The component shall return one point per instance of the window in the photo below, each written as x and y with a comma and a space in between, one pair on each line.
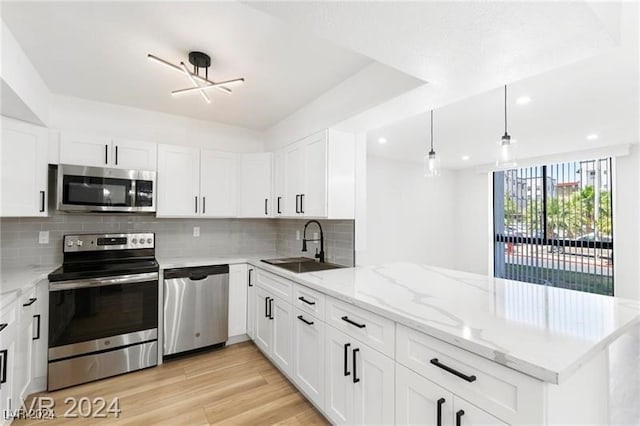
553, 225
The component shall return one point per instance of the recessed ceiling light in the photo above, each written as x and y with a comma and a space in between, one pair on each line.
523, 100
592, 136
465, 157
382, 140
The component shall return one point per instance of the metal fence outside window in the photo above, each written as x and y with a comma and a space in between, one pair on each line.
553, 225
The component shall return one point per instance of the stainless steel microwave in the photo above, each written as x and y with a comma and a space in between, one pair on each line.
98, 189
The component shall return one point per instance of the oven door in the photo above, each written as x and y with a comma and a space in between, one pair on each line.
105, 190
102, 313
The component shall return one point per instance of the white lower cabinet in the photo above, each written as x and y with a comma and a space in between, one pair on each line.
251, 303
359, 382
274, 323
308, 355
419, 401
237, 300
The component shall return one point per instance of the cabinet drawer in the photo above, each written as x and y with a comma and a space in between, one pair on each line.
372, 329
277, 286
503, 392
309, 301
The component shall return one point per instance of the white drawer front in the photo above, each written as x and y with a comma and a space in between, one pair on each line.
277, 286
505, 393
309, 301
369, 328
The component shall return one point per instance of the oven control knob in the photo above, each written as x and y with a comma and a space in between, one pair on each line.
69, 243
79, 243
134, 241
149, 240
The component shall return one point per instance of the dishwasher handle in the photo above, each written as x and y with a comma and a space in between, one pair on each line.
196, 273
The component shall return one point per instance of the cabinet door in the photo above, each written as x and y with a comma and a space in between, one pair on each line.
85, 150
374, 377
283, 335
251, 304
237, 300
8, 340
314, 193
218, 177
135, 155
24, 347
279, 183
40, 325
466, 414
308, 355
264, 324
255, 185
294, 177
338, 375
23, 169
178, 181
420, 401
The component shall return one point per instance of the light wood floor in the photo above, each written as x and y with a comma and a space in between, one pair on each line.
234, 385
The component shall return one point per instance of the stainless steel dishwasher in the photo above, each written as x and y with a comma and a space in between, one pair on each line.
196, 305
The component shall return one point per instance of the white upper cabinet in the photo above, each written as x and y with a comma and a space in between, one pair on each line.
319, 173
23, 164
134, 155
103, 151
178, 181
218, 183
279, 183
255, 185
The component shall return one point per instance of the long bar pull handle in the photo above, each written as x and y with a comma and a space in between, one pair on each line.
204, 206
301, 203
459, 415
278, 200
448, 369
346, 358
3, 375
271, 299
116, 155
352, 322
196, 198
37, 334
3, 326
355, 379
439, 412
106, 154
42, 201
31, 301
297, 200
266, 201
306, 301
250, 274
301, 318
266, 307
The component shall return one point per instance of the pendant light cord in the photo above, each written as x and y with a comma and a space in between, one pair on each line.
431, 130
505, 109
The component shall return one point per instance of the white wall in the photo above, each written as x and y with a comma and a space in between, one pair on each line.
409, 217
81, 115
28, 96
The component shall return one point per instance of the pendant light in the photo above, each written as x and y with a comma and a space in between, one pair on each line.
505, 158
431, 160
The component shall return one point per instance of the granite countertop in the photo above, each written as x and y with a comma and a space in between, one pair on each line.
545, 332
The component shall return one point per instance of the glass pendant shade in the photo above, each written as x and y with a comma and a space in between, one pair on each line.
431, 164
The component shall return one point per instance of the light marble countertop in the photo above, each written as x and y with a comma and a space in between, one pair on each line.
15, 280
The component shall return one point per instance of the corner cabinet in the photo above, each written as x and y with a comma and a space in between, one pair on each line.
23, 169
319, 176
255, 185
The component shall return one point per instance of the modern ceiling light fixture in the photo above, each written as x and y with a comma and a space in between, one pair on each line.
506, 142
199, 61
431, 160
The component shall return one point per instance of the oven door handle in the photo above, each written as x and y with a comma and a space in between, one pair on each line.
103, 281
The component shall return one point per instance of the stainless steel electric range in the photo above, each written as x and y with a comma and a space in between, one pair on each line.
103, 308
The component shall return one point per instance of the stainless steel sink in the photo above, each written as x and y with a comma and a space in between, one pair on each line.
301, 264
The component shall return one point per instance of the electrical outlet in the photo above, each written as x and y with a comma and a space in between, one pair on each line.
43, 237
297, 235
196, 231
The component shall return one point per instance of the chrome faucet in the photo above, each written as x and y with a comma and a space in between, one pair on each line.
304, 240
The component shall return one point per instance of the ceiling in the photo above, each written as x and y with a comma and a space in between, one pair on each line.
97, 50
593, 96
